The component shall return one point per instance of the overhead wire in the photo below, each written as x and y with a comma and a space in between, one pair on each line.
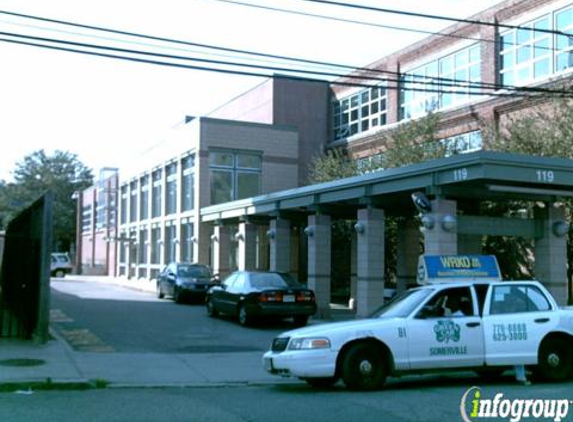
423, 79
466, 88
436, 17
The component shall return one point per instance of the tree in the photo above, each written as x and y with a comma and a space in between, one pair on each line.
63, 174
411, 142
546, 131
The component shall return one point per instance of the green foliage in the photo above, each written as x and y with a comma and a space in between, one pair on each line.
332, 165
63, 174
545, 132
413, 142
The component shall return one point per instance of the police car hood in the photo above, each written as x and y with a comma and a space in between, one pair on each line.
327, 329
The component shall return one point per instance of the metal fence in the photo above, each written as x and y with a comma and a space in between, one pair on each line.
25, 273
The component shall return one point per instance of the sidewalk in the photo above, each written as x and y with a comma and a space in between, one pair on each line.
25, 363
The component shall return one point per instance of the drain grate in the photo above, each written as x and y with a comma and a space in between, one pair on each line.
22, 362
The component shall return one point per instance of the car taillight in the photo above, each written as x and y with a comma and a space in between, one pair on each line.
305, 297
271, 297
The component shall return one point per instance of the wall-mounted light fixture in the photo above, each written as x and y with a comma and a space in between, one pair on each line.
360, 227
175, 240
560, 228
449, 222
193, 239
271, 233
239, 236
309, 231
214, 237
428, 222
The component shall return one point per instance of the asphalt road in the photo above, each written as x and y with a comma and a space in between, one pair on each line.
422, 399
96, 316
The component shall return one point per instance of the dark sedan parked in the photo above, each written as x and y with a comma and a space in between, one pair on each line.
180, 279
249, 295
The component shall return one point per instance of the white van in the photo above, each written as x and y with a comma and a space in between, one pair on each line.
61, 264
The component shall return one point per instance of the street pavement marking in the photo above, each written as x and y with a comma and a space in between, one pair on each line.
85, 341
57, 315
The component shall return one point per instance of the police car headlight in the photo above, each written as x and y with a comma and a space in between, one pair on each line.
309, 343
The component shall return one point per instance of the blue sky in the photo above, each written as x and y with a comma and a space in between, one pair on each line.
106, 111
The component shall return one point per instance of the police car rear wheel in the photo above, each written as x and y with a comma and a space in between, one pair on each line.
555, 361
363, 367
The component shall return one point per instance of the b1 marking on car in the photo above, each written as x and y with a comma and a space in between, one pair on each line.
401, 332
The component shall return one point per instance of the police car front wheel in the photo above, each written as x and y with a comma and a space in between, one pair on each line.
364, 367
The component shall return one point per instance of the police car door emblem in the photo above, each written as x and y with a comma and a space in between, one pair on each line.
446, 331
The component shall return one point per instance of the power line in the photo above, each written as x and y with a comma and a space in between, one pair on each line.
437, 17
466, 87
423, 80
352, 21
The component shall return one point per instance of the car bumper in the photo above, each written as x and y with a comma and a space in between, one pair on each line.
301, 363
195, 289
282, 310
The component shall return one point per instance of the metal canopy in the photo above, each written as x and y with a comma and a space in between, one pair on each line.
481, 175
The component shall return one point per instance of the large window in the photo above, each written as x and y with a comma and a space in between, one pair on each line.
188, 181
442, 83
186, 241
171, 189
170, 241
157, 193
143, 244
133, 202
123, 216
144, 198
156, 243
527, 54
234, 175
359, 112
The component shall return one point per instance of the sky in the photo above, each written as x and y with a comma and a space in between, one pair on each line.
106, 111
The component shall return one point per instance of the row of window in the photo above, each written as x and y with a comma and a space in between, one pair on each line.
458, 144
152, 196
526, 54
156, 244
530, 53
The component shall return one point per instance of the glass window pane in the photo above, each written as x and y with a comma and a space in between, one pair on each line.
523, 54
564, 61
523, 36
446, 65
541, 24
541, 68
461, 59
564, 42
374, 108
219, 158
249, 161
508, 40
374, 93
475, 54
221, 186
475, 73
365, 111
365, 97
365, 125
248, 185
541, 48
524, 75
432, 69
564, 19
507, 79
354, 101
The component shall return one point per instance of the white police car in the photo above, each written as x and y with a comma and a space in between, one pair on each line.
472, 322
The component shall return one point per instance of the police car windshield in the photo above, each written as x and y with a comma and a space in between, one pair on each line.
403, 304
